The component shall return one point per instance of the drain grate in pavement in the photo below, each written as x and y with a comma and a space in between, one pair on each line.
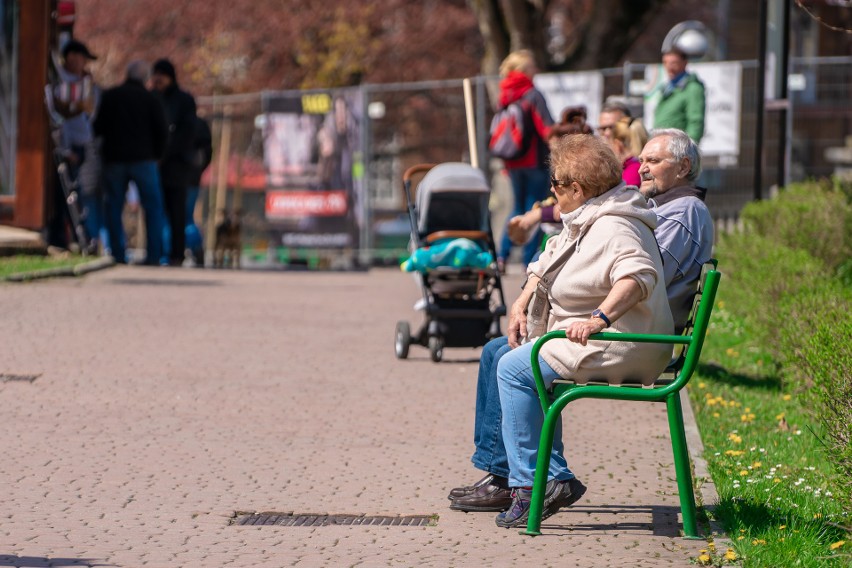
309, 520
12, 378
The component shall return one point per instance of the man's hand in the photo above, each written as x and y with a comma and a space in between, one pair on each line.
579, 331
522, 227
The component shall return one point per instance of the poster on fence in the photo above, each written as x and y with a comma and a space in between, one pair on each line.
561, 90
313, 159
722, 86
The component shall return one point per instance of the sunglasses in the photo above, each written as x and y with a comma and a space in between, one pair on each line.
559, 183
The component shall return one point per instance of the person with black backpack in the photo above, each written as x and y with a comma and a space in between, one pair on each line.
519, 136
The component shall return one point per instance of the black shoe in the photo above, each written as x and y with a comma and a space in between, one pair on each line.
489, 479
495, 496
559, 494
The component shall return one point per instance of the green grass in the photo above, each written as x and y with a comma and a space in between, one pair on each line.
765, 455
10, 265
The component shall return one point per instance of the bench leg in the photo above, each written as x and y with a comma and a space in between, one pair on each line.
682, 467
542, 468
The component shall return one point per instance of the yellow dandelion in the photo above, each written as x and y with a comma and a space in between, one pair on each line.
730, 555
711, 546
780, 416
782, 527
704, 559
716, 415
712, 402
734, 453
747, 409
744, 472
756, 464
758, 541
735, 438
702, 385
787, 397
818, 516
741, 537
776, 480
837, 544
732, 352
747, 417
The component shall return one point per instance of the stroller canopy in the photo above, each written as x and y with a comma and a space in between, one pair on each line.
453, 196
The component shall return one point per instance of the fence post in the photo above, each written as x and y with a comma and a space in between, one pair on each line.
218, 196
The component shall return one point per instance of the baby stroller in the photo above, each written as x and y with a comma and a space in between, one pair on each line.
462, 305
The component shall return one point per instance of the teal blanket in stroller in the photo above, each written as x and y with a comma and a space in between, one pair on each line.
453, 253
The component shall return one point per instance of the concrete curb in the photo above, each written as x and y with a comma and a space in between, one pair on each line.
709, 498
76, 270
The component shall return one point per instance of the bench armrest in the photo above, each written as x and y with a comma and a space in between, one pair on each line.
604, 336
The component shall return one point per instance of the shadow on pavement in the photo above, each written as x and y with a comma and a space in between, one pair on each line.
663, 520
39, 562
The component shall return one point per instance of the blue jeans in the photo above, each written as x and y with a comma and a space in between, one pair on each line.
490, 454
528, 186
523, 418
192, 232
147, 178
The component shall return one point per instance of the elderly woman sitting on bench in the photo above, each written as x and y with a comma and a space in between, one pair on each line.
612, 279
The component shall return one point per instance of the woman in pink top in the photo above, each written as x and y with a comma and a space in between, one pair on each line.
627, 139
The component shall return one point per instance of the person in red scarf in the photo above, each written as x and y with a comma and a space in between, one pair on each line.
529, 173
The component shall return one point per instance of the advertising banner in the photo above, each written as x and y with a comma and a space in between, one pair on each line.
312, 155
722, 87
562, 90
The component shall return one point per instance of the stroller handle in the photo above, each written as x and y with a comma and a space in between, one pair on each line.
416, 169
472, 235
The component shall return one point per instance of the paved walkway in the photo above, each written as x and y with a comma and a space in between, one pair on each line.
167, 400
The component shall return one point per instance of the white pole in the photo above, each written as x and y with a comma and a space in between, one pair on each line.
471, 125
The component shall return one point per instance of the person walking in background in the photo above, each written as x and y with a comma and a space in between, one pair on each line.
203, 153
74, 99
682, 98
528, 173
133, 126
176, 167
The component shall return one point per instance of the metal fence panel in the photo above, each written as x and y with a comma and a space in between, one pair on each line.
411, 123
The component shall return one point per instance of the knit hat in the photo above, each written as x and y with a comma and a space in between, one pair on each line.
164, 67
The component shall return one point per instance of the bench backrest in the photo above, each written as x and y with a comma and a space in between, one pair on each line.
699, 320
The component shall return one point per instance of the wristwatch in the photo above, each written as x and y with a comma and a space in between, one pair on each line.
599, 314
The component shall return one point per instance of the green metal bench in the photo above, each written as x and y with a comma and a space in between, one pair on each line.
665, 389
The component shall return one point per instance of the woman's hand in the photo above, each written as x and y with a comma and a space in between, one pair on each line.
517, 330
579, 331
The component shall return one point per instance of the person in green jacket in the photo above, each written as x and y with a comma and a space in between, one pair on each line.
681, 103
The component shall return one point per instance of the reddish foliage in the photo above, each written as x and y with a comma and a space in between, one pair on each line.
226, 46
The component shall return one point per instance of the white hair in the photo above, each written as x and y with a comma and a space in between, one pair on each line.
681, 146
138, 70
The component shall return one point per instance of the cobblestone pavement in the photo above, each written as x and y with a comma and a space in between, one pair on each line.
167, 400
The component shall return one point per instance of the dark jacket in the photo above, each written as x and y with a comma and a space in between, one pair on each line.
176, 167
203, 150
132, 123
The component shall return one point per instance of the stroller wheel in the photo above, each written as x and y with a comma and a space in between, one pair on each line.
436, 347
403, 340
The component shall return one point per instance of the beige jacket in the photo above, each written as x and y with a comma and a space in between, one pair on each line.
616, 240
